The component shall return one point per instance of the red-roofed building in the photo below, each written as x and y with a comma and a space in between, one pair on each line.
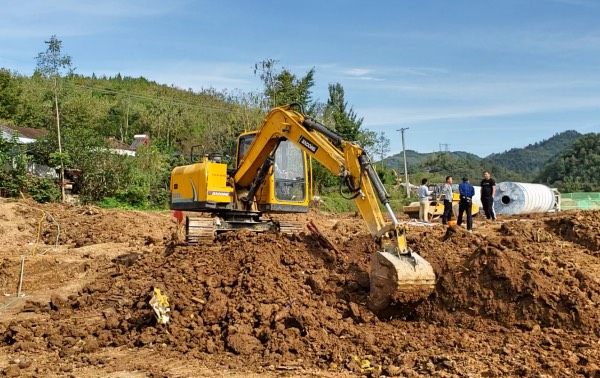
25, 135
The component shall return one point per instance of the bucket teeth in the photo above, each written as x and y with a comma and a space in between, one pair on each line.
399, 279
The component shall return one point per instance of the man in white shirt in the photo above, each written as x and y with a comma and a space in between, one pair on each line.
447, 192
424, 193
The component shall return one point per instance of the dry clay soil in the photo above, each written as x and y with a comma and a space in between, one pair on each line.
517, 297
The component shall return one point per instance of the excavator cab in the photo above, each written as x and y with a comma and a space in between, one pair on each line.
286, 188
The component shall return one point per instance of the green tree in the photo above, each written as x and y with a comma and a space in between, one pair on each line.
52, 64
13, 167
32, 109
577, 167
378, 145
9, 94
283, 87
344, 121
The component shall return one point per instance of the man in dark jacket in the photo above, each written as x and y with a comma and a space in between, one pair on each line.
466, 191
488, 191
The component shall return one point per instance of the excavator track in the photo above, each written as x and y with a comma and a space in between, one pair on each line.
291, 227
200, 230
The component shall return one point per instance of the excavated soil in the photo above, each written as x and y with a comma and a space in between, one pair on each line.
517, 297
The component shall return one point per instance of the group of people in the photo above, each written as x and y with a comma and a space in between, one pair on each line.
466, 192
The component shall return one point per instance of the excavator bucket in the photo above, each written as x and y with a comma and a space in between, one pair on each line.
399, 279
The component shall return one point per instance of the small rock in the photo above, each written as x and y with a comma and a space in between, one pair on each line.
24, 364
593, 370
58, 302
12, 371
393, 370
355, 310
211, 347
91, 345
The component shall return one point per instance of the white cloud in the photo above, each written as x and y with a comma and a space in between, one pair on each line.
376, 117
40, 18
357, 71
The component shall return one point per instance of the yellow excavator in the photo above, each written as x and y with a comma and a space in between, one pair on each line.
273, 175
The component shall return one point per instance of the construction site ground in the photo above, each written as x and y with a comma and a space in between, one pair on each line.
517, 297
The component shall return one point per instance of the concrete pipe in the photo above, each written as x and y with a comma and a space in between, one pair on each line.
477, 197
523, 198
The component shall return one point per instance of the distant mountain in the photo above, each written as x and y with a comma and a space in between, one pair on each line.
577, 167
517, 164
413, 160
416, 160
530, 160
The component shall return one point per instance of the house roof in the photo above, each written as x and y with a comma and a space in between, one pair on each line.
115, 143
29, 135
25, 135
26, 132
138, 140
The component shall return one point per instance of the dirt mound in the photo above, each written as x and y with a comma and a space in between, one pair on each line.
521, 277
267, 296
582, 228
512, 298
26, 222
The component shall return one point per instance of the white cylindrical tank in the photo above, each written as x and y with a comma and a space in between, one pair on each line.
523, 198
477, 197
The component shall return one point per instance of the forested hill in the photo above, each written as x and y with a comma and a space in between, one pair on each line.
529, 161
518, 164
437, 165
413, 160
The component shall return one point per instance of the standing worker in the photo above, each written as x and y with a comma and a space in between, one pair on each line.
488, 192
466, 191
424, 193
447, 192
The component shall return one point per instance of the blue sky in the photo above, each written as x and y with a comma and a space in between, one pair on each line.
478, 76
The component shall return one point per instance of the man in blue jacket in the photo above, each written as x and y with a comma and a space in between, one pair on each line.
466, 191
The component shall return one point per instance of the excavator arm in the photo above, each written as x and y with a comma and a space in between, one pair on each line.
350, 162
397, 273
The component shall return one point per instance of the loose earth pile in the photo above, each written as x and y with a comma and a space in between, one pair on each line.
518, 297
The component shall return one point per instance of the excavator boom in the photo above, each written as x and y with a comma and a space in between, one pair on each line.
397, 274
270, 177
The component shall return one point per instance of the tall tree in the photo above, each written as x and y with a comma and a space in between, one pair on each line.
52, 64
9, 94
343, 120
283, 87
382, 146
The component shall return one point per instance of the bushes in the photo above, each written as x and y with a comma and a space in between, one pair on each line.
13, 167
15, 179
42, 189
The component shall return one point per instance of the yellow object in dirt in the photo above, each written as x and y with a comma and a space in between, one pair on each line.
365, 365
160, 305
451, 223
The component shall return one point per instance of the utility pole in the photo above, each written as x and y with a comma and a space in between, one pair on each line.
406, 184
